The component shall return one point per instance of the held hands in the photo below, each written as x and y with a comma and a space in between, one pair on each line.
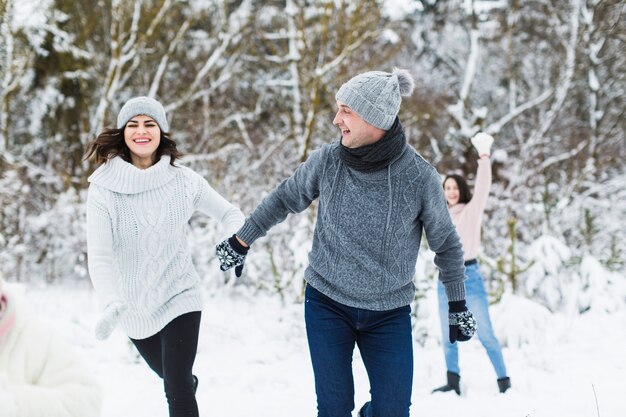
461, 321
231, 254
111, 316
482, 142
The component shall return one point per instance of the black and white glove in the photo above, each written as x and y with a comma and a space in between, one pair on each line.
231, 254
461, 321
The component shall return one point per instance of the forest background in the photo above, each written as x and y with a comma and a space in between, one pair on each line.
249, 89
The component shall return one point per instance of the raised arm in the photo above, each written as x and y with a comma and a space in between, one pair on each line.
482, 143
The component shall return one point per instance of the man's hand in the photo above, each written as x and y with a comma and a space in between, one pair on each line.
231, 253
461, 321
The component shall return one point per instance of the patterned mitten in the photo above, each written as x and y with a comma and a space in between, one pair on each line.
461, 321
231, 254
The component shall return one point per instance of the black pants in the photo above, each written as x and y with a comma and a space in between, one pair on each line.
171, 353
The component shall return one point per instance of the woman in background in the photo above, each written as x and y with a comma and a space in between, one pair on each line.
139, 204
467, 213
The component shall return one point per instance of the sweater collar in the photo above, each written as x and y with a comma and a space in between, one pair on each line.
123, 177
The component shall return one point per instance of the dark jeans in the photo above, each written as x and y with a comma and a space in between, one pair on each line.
171, 354
386, 346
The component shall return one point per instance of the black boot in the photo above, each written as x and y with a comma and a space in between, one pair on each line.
504, 384
452, 385
195, 383
362, 410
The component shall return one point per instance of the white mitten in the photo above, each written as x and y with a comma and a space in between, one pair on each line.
110, 317
482, 142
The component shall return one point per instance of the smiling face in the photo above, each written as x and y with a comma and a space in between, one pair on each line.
142, 136
355, 132
451, 191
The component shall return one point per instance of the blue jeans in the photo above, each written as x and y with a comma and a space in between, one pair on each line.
385, 342
477, 303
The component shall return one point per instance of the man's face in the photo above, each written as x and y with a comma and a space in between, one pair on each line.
355, 132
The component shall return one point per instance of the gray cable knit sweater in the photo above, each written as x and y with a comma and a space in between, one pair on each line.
369, 227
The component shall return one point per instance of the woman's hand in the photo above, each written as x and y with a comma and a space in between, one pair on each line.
111, 316
482, 143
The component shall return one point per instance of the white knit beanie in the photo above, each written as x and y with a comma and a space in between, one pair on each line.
376, 95
145, 106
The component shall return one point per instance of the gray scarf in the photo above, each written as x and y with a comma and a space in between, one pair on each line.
378, 155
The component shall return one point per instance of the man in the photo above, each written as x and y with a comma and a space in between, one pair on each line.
376, 195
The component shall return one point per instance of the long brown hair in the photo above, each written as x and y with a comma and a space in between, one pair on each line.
110, 143
465, 195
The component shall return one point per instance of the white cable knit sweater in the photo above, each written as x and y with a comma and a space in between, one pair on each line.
137, 224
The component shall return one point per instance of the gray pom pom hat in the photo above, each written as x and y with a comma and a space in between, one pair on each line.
376, 95
145, 106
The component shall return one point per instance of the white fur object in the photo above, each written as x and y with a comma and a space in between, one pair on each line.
8, 407
43, 375
482, 142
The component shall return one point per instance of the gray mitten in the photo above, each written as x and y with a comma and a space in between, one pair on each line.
110, 317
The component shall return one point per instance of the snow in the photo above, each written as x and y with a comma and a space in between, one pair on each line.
563, 338
30, 14
399, 9
484, 6
253, 360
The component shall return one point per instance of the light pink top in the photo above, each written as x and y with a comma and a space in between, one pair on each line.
468, 217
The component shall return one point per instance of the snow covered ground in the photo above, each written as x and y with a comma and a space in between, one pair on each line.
253, 361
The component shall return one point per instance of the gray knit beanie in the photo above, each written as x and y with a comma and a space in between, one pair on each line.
145, 106
376, 95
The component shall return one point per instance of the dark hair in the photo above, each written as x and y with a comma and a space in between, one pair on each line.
110, 143
465, 195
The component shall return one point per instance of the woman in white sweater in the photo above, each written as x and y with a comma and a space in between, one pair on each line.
139, 204
40, 373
